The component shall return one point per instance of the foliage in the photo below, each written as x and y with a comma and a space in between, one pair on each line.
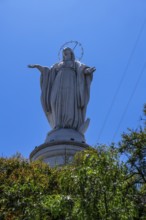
96, 186
133, 146
93, 187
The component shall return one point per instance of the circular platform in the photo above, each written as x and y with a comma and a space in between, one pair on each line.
59, 148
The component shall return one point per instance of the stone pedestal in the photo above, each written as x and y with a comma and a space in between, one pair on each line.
59, 148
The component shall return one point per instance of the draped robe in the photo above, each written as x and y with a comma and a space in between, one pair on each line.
65, 91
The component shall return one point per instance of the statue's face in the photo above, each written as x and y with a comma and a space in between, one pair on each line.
67, 55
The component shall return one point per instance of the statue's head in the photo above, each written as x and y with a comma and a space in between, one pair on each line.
68, 54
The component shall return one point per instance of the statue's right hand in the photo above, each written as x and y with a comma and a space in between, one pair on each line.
31, 66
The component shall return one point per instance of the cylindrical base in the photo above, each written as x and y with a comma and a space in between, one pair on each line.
57, 153
59, 148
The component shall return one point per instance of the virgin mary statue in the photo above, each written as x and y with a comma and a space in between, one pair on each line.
65, 91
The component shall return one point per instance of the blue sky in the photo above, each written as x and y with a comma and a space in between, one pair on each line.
113, 34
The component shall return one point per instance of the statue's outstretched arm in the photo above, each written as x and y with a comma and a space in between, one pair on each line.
90, 70
40, 68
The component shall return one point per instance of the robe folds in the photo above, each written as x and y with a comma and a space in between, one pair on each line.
65, 92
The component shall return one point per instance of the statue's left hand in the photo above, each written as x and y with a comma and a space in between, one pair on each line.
31, 66
90, 70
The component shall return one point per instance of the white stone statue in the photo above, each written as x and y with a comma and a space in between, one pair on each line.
65, 91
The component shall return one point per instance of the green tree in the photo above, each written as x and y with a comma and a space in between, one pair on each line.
93, 187
97, 185
133, 146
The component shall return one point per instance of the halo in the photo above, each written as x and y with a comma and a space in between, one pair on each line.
74, 44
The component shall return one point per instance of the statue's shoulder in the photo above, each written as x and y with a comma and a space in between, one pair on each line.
78, 64
57, 65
